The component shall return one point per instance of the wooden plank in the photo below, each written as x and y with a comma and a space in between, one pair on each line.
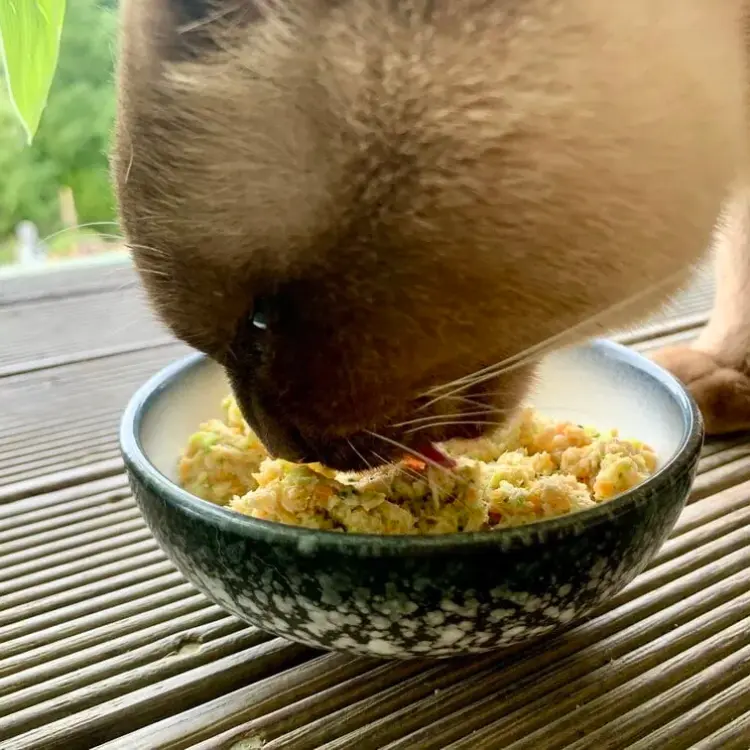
695, 591
732, 736
516, 706
31, 568
26, 692
65, 281
724, 658
88, 599
403, 706
353, 702
21, 432
80, 518
85, 385
688, 310
263, 698
727, 550
709, 509
103, 643
726, 475
109, 492
21, 606
502, 732
76, 328
716, 445
26, 453
45, 461
86, 355
719, 711
62, 478
89, 313
721, 458
88, 644
61, 630
151, 698
723, 533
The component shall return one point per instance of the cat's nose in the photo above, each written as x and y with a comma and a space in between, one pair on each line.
278, 435
283, 441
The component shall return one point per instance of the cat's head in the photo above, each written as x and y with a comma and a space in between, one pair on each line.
350, 204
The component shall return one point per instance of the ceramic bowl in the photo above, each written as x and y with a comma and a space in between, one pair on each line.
437, 596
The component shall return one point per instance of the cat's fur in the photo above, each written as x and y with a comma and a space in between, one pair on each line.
407, 192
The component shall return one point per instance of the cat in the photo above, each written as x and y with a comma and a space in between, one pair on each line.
378, 215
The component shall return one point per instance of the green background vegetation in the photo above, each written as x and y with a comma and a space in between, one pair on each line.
70, 147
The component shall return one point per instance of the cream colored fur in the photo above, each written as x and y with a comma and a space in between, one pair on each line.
422, 189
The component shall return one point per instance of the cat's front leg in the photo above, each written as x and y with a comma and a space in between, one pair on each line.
716, 367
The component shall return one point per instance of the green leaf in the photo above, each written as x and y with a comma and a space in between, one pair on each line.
29, 45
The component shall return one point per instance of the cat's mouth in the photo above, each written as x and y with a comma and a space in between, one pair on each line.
359, 451
417, 433
365, 451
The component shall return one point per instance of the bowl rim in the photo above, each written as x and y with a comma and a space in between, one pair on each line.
139, 466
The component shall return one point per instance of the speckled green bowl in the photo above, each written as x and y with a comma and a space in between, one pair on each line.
436, 596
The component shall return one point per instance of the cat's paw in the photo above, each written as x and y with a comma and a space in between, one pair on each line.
722, 393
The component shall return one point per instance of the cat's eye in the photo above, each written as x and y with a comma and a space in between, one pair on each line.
260, 318
260, 321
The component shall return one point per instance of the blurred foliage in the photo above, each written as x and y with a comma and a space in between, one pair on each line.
70, 147
29, 45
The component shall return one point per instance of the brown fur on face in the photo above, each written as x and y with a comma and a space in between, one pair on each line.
413, 191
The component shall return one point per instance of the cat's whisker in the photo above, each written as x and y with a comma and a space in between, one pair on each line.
155, 272
76, 227
150, 250
217, 15
442, 417
412, 452
543, 347
492, 369
504, 371
471, 401
364, 460
400, 468
111, 236
507, 367
485, 394
232, 354
456, 423
66, 230
106, 236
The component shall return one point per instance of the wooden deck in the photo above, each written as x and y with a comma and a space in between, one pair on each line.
103, 643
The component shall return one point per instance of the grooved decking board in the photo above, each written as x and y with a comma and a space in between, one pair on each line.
65, 330
89, 655
689, 309
65, 418
64, 281
61, 317
103, 644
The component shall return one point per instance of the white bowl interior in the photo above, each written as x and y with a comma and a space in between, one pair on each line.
583, 385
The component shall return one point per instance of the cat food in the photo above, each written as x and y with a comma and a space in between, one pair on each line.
531, 470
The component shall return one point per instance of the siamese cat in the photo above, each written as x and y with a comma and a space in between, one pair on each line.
378, 214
